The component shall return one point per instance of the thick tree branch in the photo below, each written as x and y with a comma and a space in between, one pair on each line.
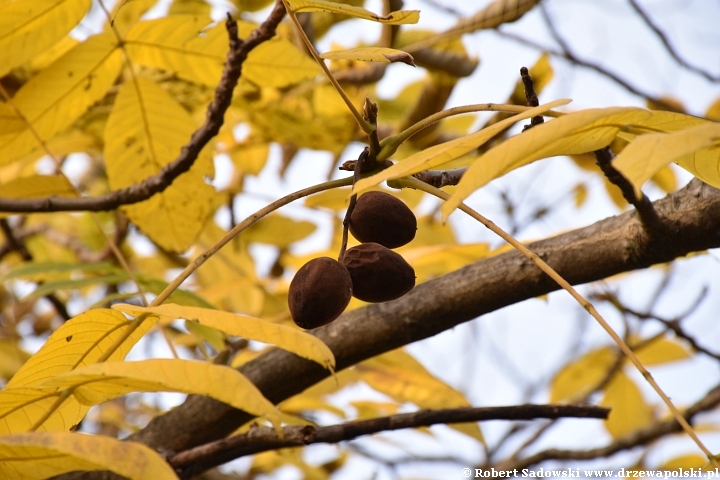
237, 54
611, 246
260, 439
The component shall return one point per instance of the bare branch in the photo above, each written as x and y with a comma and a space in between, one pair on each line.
644, 206
260, 439
614, 245
642, 437
668, 46
237, 54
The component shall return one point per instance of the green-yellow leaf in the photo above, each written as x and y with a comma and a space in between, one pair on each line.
371, 54
448, 151
293, 340
662, 351
101, 382
581, 376
647, 154
47, 454
145, 132
629, 412
704, 164
22, 22
53, 99
574, 133
81, 341
400, 17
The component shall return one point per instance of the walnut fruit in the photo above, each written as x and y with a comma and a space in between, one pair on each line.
319, 292
378, 274
381, 218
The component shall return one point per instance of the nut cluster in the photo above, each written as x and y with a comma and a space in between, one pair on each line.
370, 272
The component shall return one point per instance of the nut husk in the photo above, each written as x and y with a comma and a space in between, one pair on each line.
378, 274
319, 292
381, 218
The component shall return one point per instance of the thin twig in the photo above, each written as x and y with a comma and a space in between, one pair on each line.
358, 169
571, 57
414, 183
668, 46
641, 437
261, 439
648, 215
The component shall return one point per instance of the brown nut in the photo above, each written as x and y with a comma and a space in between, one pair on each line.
319, 292
381, 218
378, 274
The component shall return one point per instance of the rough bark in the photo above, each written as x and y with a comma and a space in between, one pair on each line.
611, 246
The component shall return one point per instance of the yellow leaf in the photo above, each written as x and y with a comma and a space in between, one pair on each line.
288, 338
648, 153
44, 455
174, 43
448, 151
665, 179
574, 133
249, 159
179, 43
713, 111
145, 131
12, 357
401, 17
251, 5
101, 382
403, 378
127, 12
21, 22
580, 192
704, 164
57, 96
629, 412
434, 261
78, 342
578, 378
335, 199
302, 403
662, 351
278, 230
371, 54
692, 460
39, 186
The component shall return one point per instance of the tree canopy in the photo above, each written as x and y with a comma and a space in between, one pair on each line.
147, 150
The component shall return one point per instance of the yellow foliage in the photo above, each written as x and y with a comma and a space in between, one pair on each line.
101, 382
19, 20
57, 96
664, 350
580, 377
629, 412
145, 132
290, 339
393, 18
79, 342
47, 454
